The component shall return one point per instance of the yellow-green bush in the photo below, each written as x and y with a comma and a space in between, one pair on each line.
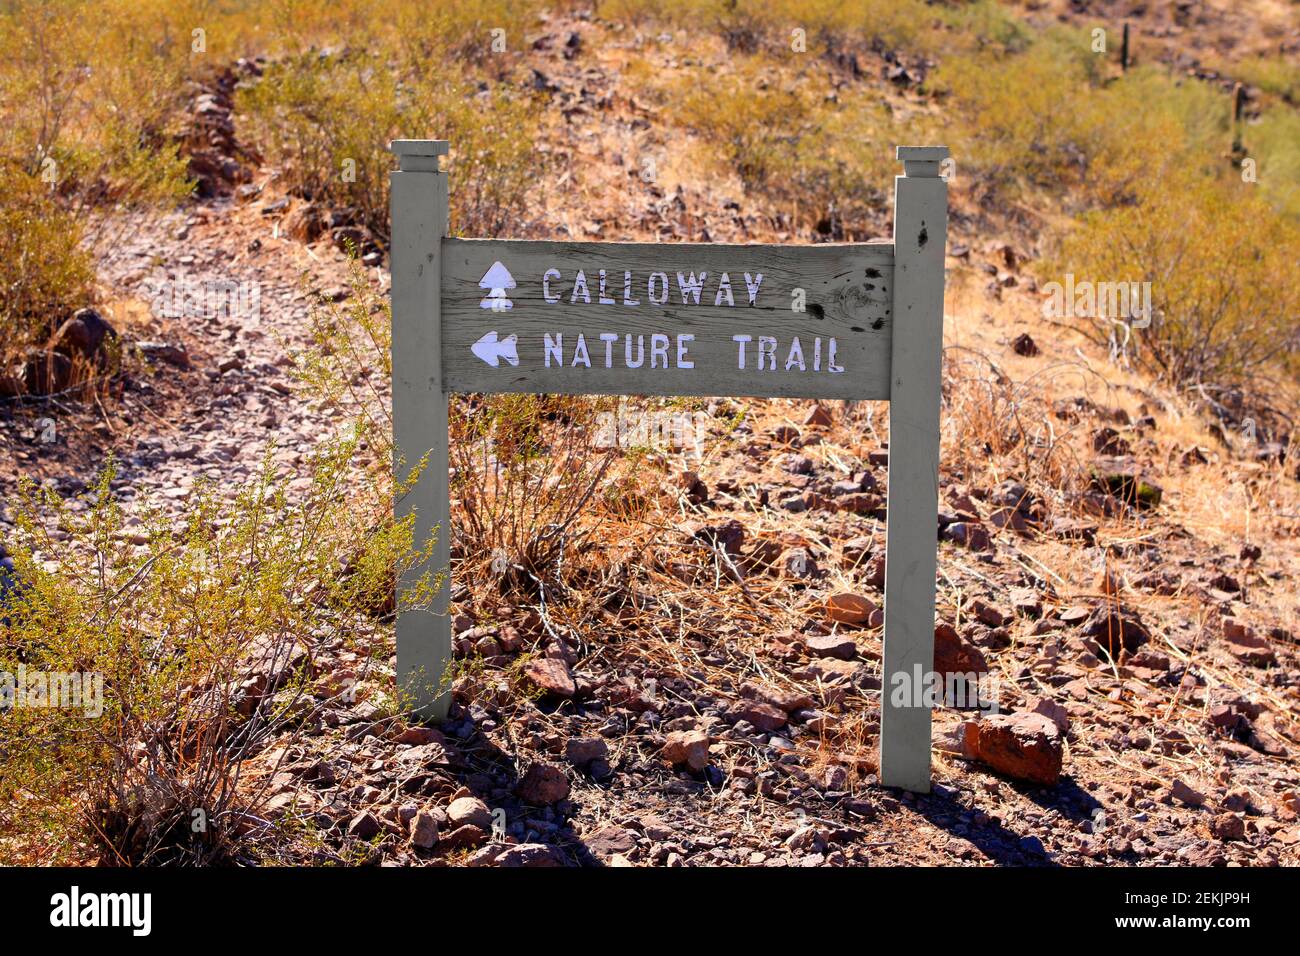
86, 92
312, 114
825, 159
842, 24
201, 637
44, 272
1224, 271
1274, 143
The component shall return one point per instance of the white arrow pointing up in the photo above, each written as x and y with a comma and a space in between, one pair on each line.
492, 350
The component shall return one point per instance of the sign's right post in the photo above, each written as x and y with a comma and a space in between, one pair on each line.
920, 238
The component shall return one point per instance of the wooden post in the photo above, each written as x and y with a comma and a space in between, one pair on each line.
920, 237
1123, 52
419, 212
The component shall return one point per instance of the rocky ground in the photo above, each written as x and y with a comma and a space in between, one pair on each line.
1121, 567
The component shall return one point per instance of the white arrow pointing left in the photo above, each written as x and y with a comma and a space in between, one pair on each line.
492, 350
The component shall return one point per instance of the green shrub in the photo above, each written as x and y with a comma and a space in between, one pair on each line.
1274, 142
825, 160
326, 122
45, 274
202, 637
86, 92
1224, 273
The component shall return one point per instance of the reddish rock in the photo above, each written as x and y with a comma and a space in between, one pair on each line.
1228, 826
580, 751
469, 811
1027, 602
798, 563
424, 830
543, 783
849, 608
1245, 645
857, 551
970, 535
1052, 711
987, 613
819, 417
839, 646
689, 747
463, 838
860, 503
874, 573
1026, 746
1181, 791
763, 716
364, 826
418, 735
529, 856
953, 654
609, 840
787, 700
551, 675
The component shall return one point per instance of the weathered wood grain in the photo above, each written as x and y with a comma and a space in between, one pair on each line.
920, 237
847, 296
419, 215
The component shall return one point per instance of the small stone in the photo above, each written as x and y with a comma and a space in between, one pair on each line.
424, 830
689, 747
1026, 746
1026, 602
798, 563
970, 535
551, 675
1246, 645
860, 503
364, 826
987, 613
819, 416
580, 751
529, 856
764, 717
1183, 793
464, 837
953, 654
469, 811
609, 840
1053, 712
840, 646
543, 783
848, 608
1228, 826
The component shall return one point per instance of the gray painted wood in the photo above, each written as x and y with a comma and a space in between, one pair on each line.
920, 236
419, 218
884, 301
847, 297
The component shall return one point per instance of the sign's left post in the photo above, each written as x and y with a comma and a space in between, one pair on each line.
419, 216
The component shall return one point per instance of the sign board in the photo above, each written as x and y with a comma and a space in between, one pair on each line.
844, 321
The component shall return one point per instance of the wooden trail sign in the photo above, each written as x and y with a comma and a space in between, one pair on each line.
850, 321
